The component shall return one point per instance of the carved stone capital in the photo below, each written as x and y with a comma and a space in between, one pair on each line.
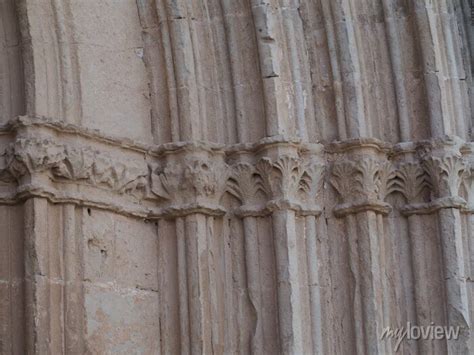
246, 184
362, 184
291, 183
445, 174
29, 156
467, 186
285, 183
410, 180
191, 184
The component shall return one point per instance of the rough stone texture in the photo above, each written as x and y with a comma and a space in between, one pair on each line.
235, 176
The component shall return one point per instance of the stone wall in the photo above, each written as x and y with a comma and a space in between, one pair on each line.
235, 176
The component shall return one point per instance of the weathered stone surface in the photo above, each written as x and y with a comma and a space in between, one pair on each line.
215, 176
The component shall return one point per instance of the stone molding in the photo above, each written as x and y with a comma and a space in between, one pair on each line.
277, 173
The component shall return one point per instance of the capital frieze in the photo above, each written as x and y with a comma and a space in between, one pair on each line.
177, 178
28, 157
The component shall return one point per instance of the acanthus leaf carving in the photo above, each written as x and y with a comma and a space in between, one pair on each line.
245, 184
269, 176
311, 183
410, 180
193, 180
387, 174
446, 174
342, 173
290, 181
281, 179
362, 183
30, 156
368, 178
468, 184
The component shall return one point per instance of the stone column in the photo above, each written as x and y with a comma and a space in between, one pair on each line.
193, 183
286, 178
411, 181
446, 169
361, 183
468, 186
53, 279
290, 186
245, 184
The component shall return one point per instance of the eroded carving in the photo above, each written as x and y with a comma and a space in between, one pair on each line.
410, 180
281, 179
467, 186
193, 181
446, 174
361, 181
31, 156
291, 182
362, 184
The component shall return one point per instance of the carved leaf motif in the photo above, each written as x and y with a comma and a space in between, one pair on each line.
291, 175
386, 175
104, 173
283, 178
5, 174
245, 183
468, 183
312, 180
369, 178
269, 181
28, 156
446, 174
343, 175
410, 181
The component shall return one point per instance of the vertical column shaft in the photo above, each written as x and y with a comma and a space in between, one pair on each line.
73, 273
290, 306
455, 278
